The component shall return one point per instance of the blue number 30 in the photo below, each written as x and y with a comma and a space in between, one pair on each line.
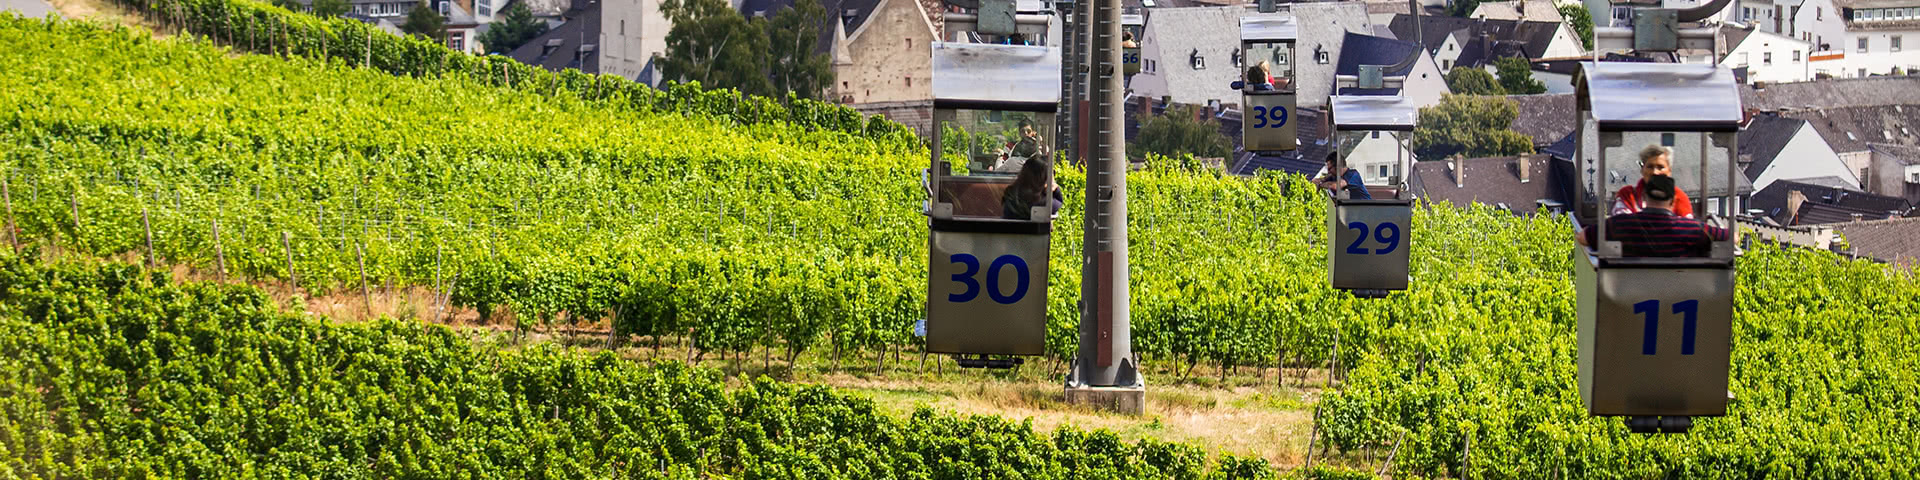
993, 279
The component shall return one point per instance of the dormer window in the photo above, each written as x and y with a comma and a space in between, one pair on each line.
1198, 62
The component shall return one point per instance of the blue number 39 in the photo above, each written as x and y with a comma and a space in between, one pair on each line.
1266, 117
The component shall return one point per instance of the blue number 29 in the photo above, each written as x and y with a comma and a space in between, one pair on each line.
1380, 235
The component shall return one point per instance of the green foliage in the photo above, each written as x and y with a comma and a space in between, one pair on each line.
1470, 125
713, 45
356, 43
793, 65
740, 223
331, 8
1581, 20
1176, 133
1463, 8
1516, 77
111, 369
1473, 81
514, 28
424, 22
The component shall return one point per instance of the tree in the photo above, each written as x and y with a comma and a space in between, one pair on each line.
1175, 132
712, 44
514, 28
1473, 81
1582, 22
1463, 8
330, 8
1516, 77
1470, 125
795, 67
423, 21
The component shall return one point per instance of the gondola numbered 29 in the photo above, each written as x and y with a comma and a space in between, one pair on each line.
987, 282
1266, 116
1655, 334
1369, 240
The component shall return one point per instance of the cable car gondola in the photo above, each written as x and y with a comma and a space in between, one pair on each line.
1369, 239
1266, 123
1655, 333
987, 283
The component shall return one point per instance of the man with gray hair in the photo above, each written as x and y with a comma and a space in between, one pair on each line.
1654, 160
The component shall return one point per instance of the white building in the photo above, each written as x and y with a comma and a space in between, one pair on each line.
1768, 57
1774, 148
1850, 38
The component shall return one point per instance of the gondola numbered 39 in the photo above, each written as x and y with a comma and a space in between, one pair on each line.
1655, 334
987, 282
1369, 240
1267, 116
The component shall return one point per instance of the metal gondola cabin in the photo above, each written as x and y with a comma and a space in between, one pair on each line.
1655, 333
1369, 239
1267, 114
987, 265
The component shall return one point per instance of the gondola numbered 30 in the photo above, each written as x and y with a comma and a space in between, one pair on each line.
1655, 334
1369, 239
1266, 116
987, 265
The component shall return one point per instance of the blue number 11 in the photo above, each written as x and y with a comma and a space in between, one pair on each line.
1690, 313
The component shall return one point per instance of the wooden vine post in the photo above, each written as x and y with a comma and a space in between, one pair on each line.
219, 253
366, 295
147, 225
286, 245
6, 193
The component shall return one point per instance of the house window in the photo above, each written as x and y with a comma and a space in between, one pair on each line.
1320, 57
1895, 45
1666, 139
1766, 58
1196, 61
909, 44
909, 80
1796, 56
1819, 13
1383, 171
623, 27
1863, 44
1743, 59
1863, 73
457, 42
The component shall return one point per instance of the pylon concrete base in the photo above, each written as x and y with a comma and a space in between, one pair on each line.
1122, 400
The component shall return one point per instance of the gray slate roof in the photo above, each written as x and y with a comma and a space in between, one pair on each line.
1832, 93
1489, 181
1894, 241
557, 49
1850, 129
1546, 117
1213, 32
1762, 139
1511, 37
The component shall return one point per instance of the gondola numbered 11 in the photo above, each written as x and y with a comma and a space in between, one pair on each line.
1655, 333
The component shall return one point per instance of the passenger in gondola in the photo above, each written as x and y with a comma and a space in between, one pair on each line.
1126, 40
1030, 144
1654, 160
1034, 186
1259, 79
1656, 230
1348, 180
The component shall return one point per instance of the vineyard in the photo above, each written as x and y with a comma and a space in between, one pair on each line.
574, 201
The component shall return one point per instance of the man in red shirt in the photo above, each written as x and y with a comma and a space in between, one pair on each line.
1655, 231
1654, 160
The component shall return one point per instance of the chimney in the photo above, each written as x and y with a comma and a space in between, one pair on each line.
1460, 171
1522, 164
1794, 199
1856, 216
